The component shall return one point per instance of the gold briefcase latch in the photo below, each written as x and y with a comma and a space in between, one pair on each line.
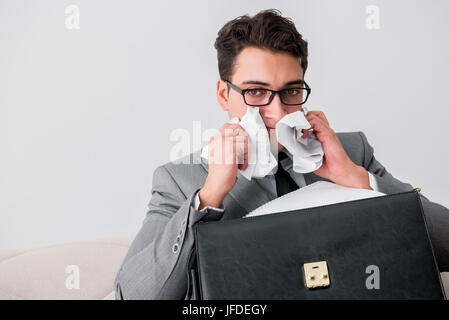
417, 189
316, 274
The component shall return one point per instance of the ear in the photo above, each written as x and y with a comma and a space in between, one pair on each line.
222, 94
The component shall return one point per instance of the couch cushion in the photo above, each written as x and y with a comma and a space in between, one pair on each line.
40, 273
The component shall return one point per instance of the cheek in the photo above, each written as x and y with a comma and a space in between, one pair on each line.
292, 109
237, 107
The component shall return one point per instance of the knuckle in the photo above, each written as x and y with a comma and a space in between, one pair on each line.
224, 127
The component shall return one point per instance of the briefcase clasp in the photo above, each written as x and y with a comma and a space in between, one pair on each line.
316, 274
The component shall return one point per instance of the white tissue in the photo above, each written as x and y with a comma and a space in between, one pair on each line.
307, 152
260, 159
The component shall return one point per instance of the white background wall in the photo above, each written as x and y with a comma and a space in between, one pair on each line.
85, 115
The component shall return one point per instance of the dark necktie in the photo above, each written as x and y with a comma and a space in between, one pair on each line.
284, 183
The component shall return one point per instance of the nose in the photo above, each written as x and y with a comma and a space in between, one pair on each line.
275, 110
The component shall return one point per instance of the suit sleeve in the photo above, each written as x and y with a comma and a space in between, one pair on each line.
155, 266
437, 216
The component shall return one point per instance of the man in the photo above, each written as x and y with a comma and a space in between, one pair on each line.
258, 53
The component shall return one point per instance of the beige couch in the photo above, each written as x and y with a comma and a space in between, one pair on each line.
40, 273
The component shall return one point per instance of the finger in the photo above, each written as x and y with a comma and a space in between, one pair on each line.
230, 150
314, 117
224, 128
235, 150
318, 126
305, 133
319, 114
229, 129
244, 154
238, 130
314, 114
242, 143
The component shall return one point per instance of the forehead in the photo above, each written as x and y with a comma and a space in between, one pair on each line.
261, 64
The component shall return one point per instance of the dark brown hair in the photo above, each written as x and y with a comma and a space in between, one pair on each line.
266, 30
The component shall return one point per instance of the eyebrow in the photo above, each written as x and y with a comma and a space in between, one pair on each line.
266, 84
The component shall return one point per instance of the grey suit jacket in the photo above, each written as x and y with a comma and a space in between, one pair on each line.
155, 266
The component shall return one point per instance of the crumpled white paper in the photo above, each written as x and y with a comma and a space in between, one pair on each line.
307, 152
260, 159
317, 194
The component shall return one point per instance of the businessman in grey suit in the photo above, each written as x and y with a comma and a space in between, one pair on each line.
262, 61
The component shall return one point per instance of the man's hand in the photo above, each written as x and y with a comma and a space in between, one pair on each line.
228, 146
337, 166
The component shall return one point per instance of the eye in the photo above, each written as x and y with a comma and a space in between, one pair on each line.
256, 92
292, 92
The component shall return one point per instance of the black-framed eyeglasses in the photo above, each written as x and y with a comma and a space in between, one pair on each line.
259, 97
